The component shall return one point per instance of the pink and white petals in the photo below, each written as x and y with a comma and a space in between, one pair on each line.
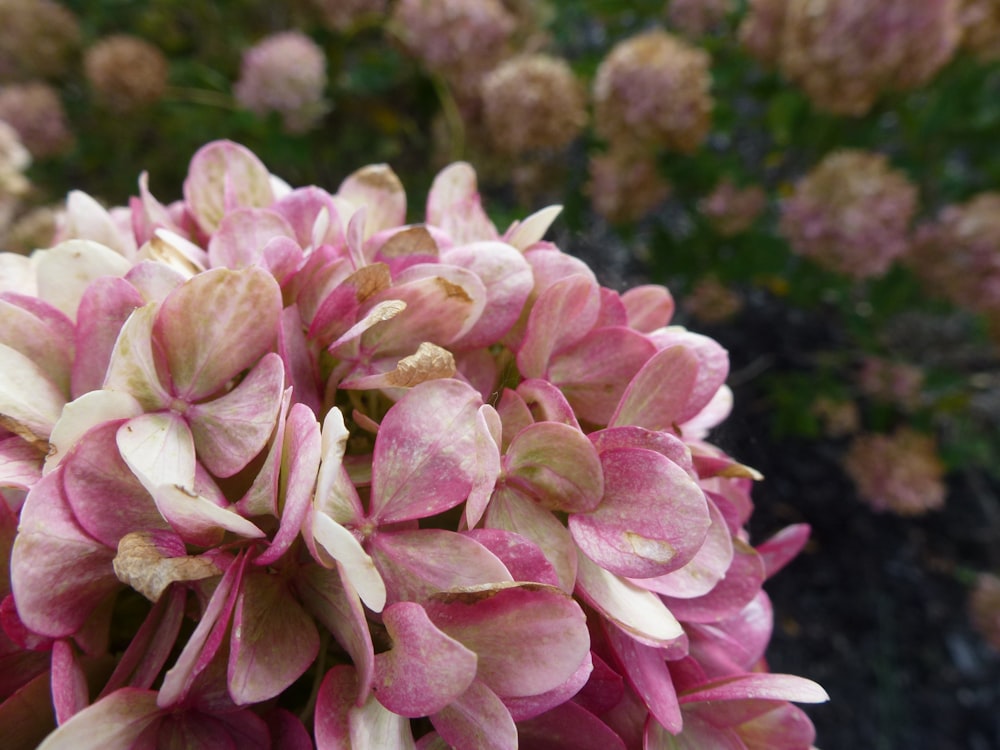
115, 722
224, 176
345, 721
66, 270
425, 669
378, 190
454, 205
30, 403
479, 719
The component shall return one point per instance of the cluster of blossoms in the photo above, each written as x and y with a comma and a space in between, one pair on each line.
459, 40
652, 91
36, 112
434, 471
900, 472
845, 53
850, 214
897, 383
957, 255
694, 18
624, 188
14, 160
984, 608
125, 72
38, 39
533, 102
284, 73
837, 417
732, 210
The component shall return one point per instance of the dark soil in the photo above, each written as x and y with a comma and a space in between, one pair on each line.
875, 609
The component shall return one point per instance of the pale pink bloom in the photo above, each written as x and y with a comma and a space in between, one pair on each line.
460, 40
901, 472
846, 53
711, 301
35, 111
850, 214
984, 608
37, 39
652, 91
897, 383
957, 255
125, 72
625, 186
732, 210
533, 102
284, 73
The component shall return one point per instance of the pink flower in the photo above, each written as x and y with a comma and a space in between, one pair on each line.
284, 73
695, 17
732, 210
900, 472
652, 91
850, 214
126, 72
625, 186
35, 111
895, 383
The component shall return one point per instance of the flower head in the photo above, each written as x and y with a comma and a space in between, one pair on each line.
695, 17
625, 186
284, 73
36, 112
980, 20
37, 39
125, 72
732, 210
342, 15
851, 214
900, 472
533, 102
652, 91
957, 255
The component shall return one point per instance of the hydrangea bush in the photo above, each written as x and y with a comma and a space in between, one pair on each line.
281, 469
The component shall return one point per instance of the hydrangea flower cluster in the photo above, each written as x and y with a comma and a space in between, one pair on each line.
284, 73
846, 53
36, 112
426, 485
957, 255
37, 39
850, 214
900, 472
711, 301
125, 72
652, 92
980, 21
897, 383
732, 210
625, 186
533, 102
459, 40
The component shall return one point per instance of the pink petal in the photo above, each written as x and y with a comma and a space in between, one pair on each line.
107, 500
713, 365
224, 176
240, 239
757, 686
556, 465
453, 204
737, 589
341, 306
419, 563
567, 727
697, 735
665, 443
477, 719
530, 638
649, 307
782, 548
230, 430
508, 281
424, 460
562, 315
302, 209
522, 557
659, 394
487, 464
235, 314
653, 518
342, 725
86, 219
133, 367
785, 728
546, 402
303, 450
65, 271
645, 668
20, 463
594, 372
358, 567
301, 367
262, 497
41, 333
378, 189
104, 308
511, 511
636, 611
339, 610
425, 669
59, 573
736, 643
530, 706
525, 233
274, 640
115, 721
30, 403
